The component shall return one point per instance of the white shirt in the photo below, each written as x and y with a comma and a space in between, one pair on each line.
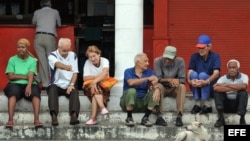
61, 77
90, 69
240, 79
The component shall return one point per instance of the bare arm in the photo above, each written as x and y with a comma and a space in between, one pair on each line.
229, 87
97, 78
214, 76
63, 66
188, 76
13, 76
137, 81
72, 83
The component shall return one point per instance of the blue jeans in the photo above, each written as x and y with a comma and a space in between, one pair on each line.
204, 92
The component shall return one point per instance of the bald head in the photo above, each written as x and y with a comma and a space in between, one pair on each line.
64, 43
64, 46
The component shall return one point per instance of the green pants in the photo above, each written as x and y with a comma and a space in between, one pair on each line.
139, 104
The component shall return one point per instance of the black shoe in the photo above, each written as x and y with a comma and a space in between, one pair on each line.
74, 119
242, 121
54, 120
178, 121
44, 88
196, 109
160, 121
205, 110
130, 122
220, 122
145, 121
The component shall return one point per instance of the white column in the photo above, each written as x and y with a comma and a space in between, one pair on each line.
128, 34
128, 42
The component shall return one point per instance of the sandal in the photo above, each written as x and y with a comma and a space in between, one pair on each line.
37, 123
91, 122
9, 124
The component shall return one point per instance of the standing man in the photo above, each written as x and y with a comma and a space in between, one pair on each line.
170, 71
141, 92
46, 20
203, 72
64, 69
231, 93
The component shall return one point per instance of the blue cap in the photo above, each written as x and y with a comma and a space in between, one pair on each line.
203, 41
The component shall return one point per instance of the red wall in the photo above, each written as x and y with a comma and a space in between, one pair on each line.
9, 36
225, 21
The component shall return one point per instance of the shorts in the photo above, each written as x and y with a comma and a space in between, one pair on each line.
18, 90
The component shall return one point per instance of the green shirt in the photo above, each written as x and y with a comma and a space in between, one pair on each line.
20, 66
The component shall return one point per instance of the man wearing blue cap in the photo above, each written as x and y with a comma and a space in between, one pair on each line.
203, 72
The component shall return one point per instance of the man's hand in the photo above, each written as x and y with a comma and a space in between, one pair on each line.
70, 88
174, 82
153, 79
156, 95
196, 83
68, 68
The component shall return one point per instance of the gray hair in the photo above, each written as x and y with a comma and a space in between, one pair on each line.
44, 3
61, 41
138, 57
234, 60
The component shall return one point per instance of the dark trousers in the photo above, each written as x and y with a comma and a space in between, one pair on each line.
237, 105
54, 92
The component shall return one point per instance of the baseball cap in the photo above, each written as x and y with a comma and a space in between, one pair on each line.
169, 52
203, 41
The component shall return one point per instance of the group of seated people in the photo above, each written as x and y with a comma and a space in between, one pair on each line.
143, 88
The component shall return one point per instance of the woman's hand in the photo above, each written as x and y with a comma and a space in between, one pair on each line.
28, 90
93, 88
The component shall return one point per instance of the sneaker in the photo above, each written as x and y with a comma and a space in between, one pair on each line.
220, 122
242, 121
178, 121
145, 121
130, 122
161, 121
91, 122
104, 111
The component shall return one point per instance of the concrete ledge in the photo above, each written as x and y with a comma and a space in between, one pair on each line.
103, 131
109, 127
113, 105
22, 118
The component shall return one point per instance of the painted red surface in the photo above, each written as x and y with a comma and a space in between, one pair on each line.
148, 44
9, 36
225, 21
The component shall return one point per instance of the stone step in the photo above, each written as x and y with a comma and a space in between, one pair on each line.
21, 118
109, 127
102, 131
113, 105
23, 105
